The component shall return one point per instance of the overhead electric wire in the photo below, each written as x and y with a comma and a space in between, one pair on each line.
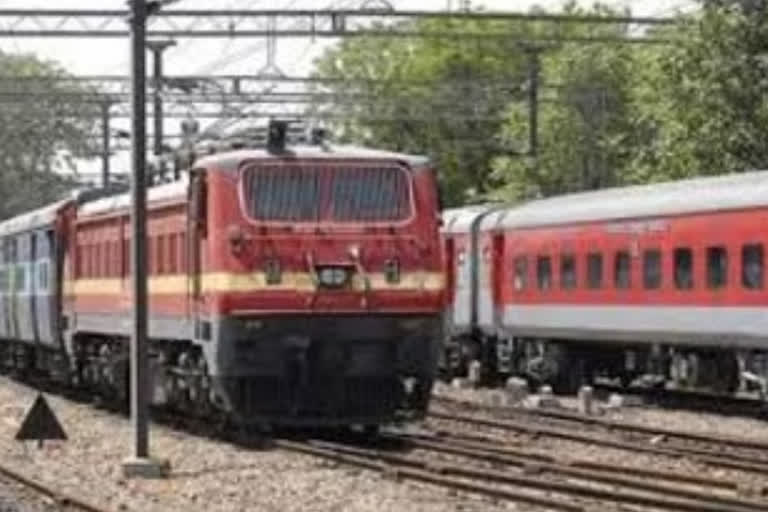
220, 127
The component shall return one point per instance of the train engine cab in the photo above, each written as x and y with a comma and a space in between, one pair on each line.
295, 285
318, 294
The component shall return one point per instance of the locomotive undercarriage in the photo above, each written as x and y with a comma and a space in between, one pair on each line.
328, 369
331, 375
100, 366
341, 372
179, 376
568, 364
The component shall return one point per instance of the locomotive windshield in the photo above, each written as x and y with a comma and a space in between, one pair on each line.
304, 193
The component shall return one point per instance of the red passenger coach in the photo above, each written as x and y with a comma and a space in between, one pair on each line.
297, 286
664, 281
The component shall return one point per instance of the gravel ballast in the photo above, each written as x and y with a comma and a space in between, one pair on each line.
207, 475
14, 497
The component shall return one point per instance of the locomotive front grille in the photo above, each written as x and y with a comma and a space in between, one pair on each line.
328, 192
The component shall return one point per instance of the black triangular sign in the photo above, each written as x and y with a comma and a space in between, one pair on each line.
41, 424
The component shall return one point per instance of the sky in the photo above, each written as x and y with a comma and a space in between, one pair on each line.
241, 56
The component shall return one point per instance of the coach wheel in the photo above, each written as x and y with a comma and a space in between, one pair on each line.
571, 370
726, 372
567, 382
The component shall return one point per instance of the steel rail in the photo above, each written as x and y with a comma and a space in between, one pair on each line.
63, 500
487, 443
406, 468
581, 490
731, 441
602, 475
569, 435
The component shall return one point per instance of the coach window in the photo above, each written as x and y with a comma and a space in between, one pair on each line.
652, 269
683, 268
521, 273
544, 272
621, 270
162, 255
594, 270
717, 267
20, 279
752, 266
42, 276
567, 271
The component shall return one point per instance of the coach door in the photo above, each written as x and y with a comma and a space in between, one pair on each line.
195, 240
25, 316
42, 279
487, 283
462, 296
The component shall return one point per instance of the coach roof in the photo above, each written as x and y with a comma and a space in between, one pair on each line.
230, 159
727, 192
461, 220
36, 219
155, 194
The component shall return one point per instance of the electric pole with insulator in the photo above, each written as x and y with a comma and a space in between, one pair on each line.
140, 464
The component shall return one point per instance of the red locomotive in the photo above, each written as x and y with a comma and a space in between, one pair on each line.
664, 281
288, 285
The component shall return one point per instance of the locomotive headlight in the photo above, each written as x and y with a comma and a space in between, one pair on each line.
333, 277
392, 270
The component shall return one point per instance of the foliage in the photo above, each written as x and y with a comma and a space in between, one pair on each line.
437, 96
703, 101
38, 120
584, 117
609, 114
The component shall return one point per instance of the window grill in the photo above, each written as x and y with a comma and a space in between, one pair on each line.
304, 193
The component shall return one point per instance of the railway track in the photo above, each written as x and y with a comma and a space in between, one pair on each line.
478, 468
63, 502
716, 451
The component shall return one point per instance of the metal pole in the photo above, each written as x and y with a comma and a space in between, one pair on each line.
533, 102
105, 149
139, 361
157, 48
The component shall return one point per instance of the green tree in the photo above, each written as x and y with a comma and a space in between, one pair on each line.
585, 117
39, 119
441, 96
701, 105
